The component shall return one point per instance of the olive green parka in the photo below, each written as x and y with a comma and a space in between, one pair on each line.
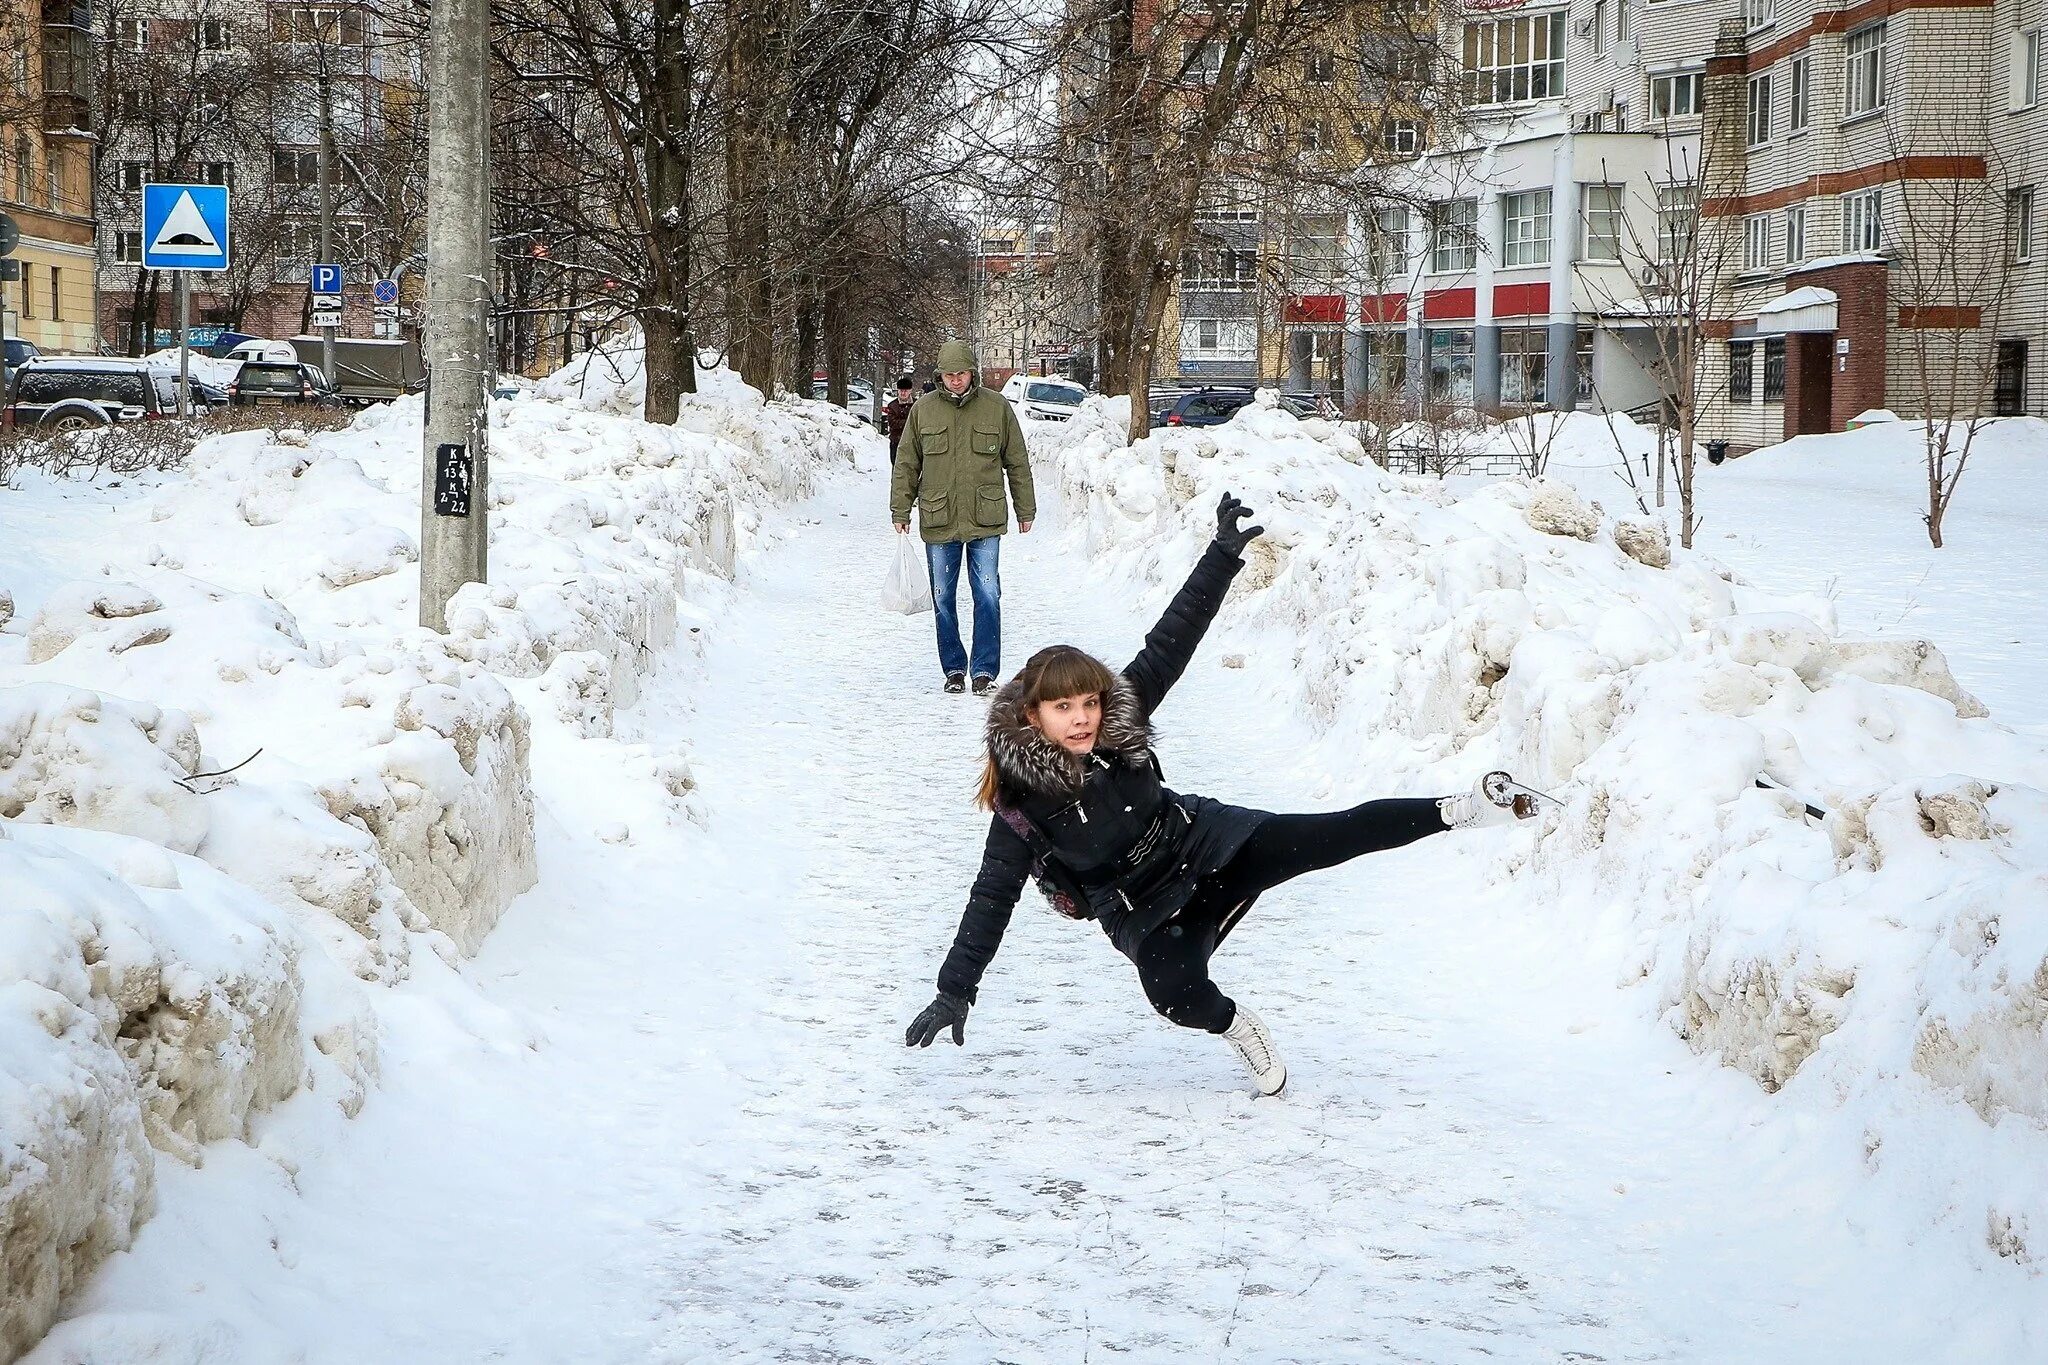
954, 457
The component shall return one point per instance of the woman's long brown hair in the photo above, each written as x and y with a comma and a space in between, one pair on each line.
1053, 672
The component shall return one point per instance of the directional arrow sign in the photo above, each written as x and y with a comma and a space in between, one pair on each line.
326, 279
185, 227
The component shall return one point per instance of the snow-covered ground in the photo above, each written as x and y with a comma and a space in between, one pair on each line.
1839, 518
664, 1112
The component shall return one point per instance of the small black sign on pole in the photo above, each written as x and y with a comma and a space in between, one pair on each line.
451, 480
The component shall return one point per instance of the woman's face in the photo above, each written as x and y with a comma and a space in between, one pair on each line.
1070, 722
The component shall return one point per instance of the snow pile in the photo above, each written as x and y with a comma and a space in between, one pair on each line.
1520, 626
240, 787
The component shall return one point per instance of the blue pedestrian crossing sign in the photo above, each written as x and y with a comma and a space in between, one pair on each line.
327, 279
185, 227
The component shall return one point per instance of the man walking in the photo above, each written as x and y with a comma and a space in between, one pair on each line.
897, 410
959, 444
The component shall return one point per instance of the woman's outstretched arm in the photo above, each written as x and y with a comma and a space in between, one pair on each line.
1005, 866
1170, 645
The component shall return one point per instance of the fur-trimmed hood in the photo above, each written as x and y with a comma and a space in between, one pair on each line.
1029, 762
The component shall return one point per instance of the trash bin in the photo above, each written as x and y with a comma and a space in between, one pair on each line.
1717, 451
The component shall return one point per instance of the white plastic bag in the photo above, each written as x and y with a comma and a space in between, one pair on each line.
908, 588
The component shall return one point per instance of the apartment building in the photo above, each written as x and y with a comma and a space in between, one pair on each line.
235, 92
1023, 320
1827, 191
46, 147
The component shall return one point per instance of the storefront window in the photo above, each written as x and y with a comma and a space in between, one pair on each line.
1450, 364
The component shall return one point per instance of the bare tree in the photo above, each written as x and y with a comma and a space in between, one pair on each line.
1951, 278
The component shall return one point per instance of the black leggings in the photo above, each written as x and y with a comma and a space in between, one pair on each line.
1173, 960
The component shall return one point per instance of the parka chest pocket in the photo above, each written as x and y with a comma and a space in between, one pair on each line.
988, 442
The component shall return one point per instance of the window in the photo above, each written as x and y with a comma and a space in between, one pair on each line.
217, 173
1455, 234
1866, 70
1599, 27
1401, 137
1758, 14
1217, 339
1508, 60
2009, 384
1774, 369
1315, 251
1624, 22
294, 166
24, 168
28, 289
1525, 228
317, 24
1801, 113
1756, 242
53, 178
1603, 207
1450, 364
1218, 270
1759, 109
1322, 68
1675, 96
1678, 218
1582, 364
133, 35
1315, 135
213, 35
1232, 201
1741, 364
1386, 361
2020, 212
1524, 365
2023, 75
56, 294
128, 248
1863, 221
131, 104
1387, 256
131, 176
1203, 61
1795, 234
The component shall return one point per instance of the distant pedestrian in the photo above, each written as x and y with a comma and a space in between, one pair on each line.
897, 410
958, 447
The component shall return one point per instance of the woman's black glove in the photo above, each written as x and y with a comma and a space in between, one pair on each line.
1229, 534
946, 1009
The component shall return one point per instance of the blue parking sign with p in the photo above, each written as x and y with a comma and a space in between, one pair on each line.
185, 227
327, 279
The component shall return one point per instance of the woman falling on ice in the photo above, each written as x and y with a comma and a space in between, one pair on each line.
1078, 802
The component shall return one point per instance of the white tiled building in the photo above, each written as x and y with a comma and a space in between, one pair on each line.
1841, 181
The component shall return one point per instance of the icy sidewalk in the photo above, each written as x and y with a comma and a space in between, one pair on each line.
694, 1133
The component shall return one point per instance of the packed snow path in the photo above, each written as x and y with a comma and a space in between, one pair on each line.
694, 1133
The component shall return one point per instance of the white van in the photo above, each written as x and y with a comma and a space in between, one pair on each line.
1047, 400
275, 352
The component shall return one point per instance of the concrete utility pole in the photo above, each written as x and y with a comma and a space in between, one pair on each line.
454, 530
325, 158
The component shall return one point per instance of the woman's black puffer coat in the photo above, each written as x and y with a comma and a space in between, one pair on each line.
1123, 842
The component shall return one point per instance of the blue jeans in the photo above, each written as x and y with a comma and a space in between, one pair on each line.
985, 585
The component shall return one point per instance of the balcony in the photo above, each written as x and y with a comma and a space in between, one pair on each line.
67, 67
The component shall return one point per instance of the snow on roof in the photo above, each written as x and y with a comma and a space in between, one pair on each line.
1806, 296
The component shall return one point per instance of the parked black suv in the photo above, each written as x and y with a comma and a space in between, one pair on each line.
273, 383
1202, 408
65, 393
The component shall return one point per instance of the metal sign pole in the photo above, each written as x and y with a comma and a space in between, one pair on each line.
10, 235
184, 343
